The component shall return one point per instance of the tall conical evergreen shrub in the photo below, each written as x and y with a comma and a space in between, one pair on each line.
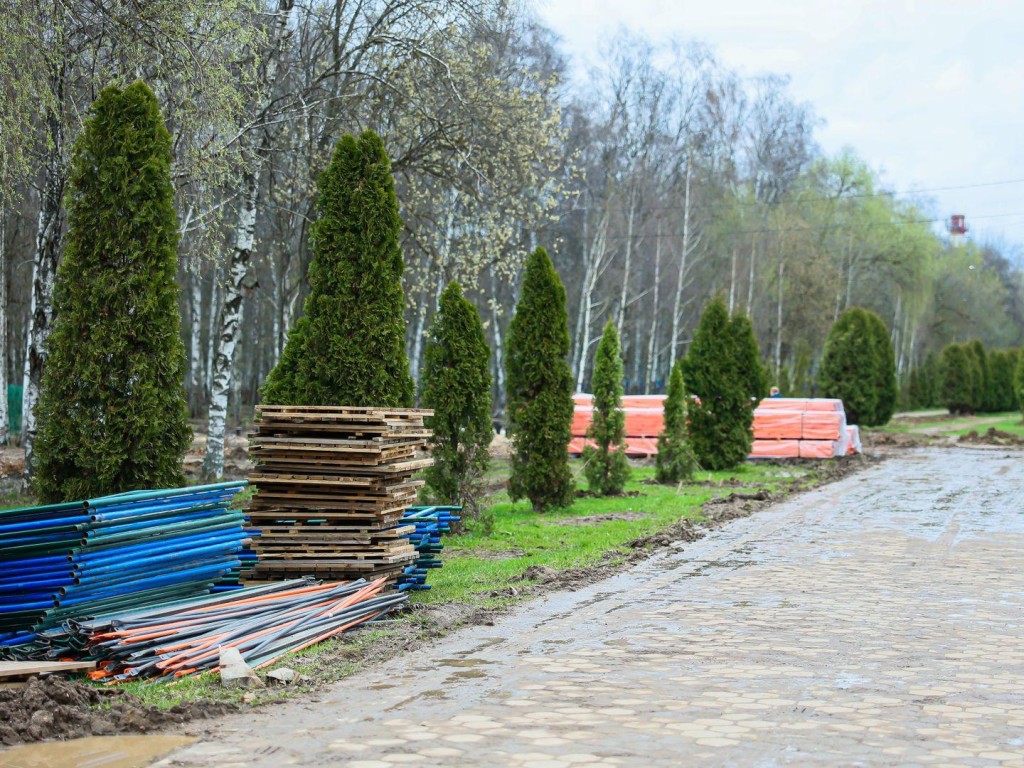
981, 393
113, 414
607, 467
350, 347
1001, 364
539, 389
848, 366
456, 384
959, 378
675, 461
883, 372
748, 358
1018, 381
721, 423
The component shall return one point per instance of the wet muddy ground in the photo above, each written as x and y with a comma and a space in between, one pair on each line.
875, 621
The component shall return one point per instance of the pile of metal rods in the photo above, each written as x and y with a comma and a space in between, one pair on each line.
262, 623
430, 523
124, 551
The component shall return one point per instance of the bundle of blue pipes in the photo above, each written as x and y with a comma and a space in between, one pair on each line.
429, 523
126, 551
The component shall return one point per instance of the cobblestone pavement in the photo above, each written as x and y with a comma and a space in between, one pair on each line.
875, 621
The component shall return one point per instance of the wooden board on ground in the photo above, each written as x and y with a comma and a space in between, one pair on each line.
18, 670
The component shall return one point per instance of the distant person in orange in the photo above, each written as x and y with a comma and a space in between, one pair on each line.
774, 392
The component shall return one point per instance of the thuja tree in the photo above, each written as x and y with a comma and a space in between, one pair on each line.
959, 375
720, 424
350, 347
883, 374
1003, 365
1018, 380
981, 394
112, 415
456, 384
748, 357
848, 366
606, 465
539, 389
675, 461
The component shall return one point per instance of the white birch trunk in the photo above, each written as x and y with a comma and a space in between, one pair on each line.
44, 272
416, 357
227, 328
587, 266
681, 276
778, 316
750, 283
278, 282
221, 374
732, 281
195, 340
652, 347
624, 294
596, 258
417, 338
212, 315
499, 348
635, 352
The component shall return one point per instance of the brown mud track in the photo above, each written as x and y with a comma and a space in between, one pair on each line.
54, 708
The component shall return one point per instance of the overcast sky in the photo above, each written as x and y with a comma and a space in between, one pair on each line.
929, 92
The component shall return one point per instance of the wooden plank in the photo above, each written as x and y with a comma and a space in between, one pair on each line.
17, 669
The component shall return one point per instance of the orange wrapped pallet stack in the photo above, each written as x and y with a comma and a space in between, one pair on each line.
804, 428
784, 427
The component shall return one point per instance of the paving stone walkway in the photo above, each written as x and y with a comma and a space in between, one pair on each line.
875, 621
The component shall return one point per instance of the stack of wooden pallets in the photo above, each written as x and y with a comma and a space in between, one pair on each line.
331, 485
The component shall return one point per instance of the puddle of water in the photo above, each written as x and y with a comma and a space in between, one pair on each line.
433, 695
619, 643
94, 752
463, 662
467, 674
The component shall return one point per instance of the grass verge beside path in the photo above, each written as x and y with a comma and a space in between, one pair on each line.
948, 426
480, 562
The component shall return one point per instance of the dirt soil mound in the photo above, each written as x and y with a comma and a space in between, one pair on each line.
992, 437
55, 708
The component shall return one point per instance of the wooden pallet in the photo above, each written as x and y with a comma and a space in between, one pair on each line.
331, 486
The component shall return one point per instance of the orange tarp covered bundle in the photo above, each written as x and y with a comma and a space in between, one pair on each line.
775, 424
818, 449
582, 415
784, 427
823, 425
635, 446
815, 428
802, 404
775, 449
645, 419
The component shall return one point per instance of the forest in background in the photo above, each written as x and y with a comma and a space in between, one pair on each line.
656, 181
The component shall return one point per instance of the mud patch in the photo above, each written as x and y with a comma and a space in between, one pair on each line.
55, 708
583, 493
597, 519
992, 436
487, 554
